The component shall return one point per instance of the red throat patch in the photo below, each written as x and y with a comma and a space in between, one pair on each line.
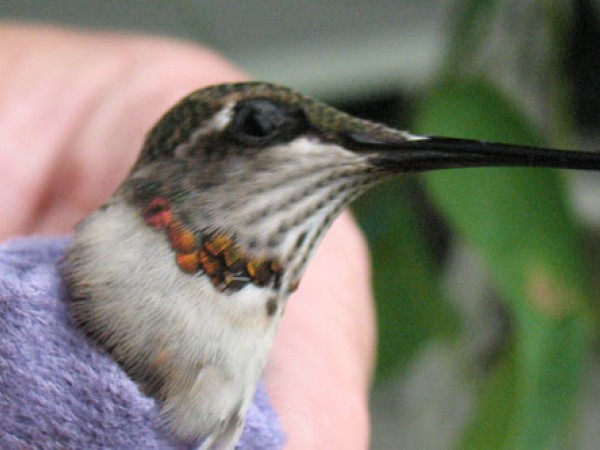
213, 254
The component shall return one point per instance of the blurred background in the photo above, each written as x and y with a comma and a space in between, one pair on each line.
486, 280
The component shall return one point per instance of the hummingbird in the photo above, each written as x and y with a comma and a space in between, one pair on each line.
182, 276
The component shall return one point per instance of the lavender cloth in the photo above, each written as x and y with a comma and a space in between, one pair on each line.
57, 390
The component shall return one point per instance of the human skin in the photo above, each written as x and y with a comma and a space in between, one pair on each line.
74, 108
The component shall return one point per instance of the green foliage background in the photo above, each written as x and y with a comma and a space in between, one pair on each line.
517, 220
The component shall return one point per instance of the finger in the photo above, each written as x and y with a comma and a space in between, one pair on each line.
74, 108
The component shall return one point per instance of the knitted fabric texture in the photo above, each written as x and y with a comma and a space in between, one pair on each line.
57, 389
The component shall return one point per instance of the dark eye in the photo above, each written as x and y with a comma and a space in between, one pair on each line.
263, 122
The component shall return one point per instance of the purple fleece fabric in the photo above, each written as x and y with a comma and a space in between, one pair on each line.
59, 391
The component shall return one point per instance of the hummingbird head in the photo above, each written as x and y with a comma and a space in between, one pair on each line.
259, 168
262, 171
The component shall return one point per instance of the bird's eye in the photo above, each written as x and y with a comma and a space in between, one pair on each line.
262, 122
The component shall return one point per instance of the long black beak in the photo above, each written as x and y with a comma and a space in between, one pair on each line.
416, 154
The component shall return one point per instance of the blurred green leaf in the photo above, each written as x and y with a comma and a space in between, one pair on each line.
518, 220
410, 304
488, 429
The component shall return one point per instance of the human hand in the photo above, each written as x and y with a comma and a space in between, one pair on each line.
74, 108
